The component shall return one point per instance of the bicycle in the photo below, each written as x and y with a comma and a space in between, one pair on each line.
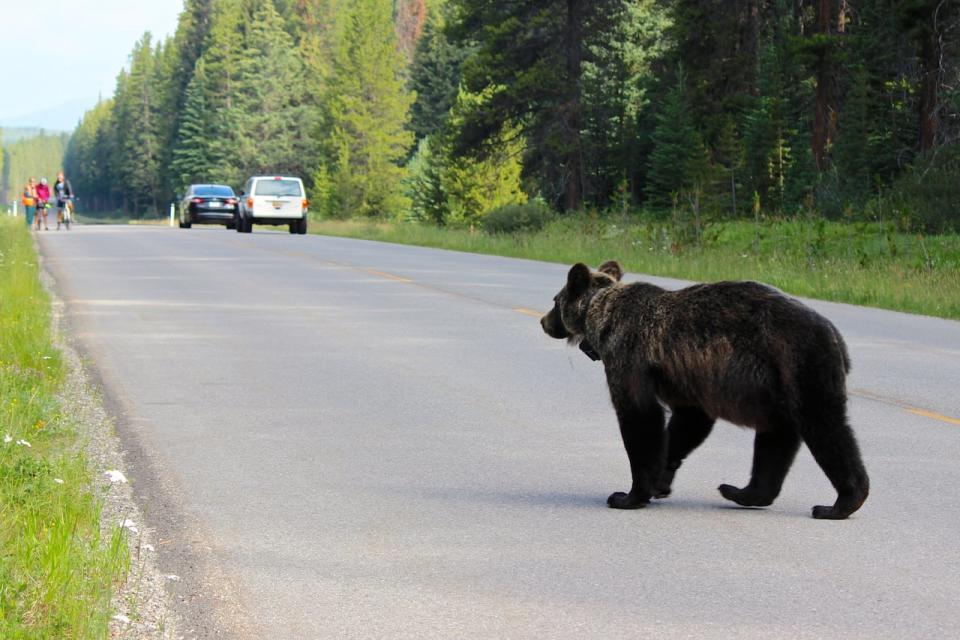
65, 212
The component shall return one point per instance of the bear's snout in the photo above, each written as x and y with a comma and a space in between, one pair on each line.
553, 326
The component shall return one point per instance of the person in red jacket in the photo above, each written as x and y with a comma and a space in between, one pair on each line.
43, 202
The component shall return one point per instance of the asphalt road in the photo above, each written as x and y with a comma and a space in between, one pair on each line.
347, 439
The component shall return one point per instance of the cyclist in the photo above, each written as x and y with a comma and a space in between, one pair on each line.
29, 200
64, 192
43, 201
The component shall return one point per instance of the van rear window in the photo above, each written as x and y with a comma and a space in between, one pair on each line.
277, 188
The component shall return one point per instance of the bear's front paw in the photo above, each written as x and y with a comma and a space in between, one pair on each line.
621, 500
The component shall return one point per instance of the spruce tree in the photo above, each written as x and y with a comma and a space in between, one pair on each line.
424, 184
434, 78
192, 157
269, 136
140, 149
618, 76
529, 60
221, 61
367, 109
678, 162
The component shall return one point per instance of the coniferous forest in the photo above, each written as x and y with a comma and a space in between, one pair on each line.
443, 111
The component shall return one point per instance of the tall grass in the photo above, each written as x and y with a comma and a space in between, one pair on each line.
57, 568
873, 264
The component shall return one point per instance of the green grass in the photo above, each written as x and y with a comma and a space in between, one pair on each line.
57, 569
869, 264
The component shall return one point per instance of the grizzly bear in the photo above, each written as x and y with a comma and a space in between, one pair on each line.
740, 351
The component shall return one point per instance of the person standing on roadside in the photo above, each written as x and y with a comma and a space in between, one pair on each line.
43, 201
63, 191
29, 200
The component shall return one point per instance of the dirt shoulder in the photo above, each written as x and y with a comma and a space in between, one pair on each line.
141, 604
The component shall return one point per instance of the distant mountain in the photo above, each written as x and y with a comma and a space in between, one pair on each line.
55, 118
9, 135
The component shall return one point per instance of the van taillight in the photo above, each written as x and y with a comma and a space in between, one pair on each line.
305, 203
250, 202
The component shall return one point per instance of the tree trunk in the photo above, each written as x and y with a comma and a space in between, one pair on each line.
929, 86
573, 189
831, 20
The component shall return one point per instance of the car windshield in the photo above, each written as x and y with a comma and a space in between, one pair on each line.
277, 188
213, 190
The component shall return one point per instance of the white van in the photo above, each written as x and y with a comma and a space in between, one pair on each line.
273, 200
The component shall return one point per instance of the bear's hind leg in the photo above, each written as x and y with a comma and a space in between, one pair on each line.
773, 453
834, 447
687, 429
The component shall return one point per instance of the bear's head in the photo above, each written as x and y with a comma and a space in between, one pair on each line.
568, 318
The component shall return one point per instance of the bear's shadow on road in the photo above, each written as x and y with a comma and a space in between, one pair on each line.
575, 500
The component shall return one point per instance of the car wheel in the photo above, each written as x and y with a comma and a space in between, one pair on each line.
293, 227
302, 225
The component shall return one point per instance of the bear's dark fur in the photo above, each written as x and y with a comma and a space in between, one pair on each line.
740, 351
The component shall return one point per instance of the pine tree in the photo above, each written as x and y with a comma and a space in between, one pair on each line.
434, 78
367, 108
269, 136
618, 74
679, 161
221, 62
424, 186
140, 149
529, 59
192, 157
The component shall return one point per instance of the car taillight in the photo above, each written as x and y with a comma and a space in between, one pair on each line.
250, 202
197, 201
231, 201
305, 203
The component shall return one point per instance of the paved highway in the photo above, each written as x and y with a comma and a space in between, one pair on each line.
348, 439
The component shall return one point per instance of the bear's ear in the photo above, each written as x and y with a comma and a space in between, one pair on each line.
612, 269
578, 280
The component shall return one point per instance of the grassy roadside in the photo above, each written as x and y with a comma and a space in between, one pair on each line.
868, 264
57, 569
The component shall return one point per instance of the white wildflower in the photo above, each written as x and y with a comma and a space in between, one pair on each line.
116, 476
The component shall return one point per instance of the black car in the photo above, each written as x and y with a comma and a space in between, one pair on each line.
208, 203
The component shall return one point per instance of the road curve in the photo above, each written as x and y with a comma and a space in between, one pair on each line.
349, 439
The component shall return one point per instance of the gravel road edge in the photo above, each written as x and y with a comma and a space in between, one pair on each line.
141, 603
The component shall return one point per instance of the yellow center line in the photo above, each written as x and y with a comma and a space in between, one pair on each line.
528, 312
537, 314
388, 276
932, 415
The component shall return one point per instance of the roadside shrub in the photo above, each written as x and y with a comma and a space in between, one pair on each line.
929, 194
518, 218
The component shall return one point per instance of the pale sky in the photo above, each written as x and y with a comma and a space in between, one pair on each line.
57, 56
